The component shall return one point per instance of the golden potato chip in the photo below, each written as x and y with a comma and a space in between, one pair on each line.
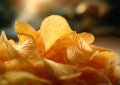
75, 56
55, 55
53, 28
94, 47
81, 43
25, 32
62, 71
39, 44
41, 69
88, 37
3, 52
19, 65
23, 28
28, 51
116, 71
3, 49
11, 41
100, 62
19, 77
90, 74
3, 82
58, 51
11, 50
113, 73
105, 51
23, 38
2, 68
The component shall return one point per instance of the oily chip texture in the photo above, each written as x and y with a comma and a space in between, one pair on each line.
55, 55
53, 28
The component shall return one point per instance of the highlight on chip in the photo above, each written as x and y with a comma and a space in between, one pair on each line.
55, 55
88, 37
53, 28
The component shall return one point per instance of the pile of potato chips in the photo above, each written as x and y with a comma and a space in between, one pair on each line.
55, 55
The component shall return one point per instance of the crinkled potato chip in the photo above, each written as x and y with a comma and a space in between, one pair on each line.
55, 55
91, 74
2, 68
88, 37
62, 71
18, 78
75, 56
53, 28
24, 28
83, 45
3, 50
25, 31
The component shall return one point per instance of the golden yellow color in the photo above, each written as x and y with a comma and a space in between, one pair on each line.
55, 55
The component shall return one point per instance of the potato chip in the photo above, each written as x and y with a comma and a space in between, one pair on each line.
62, 71
2, 68
39, 44
23, 38
28, 51
105, 52
55, 55
81, 43
53, 28
24, 28
20, 77
75, 56
100, 61
19, 65
4, 56
41, 69
11, 41
94, 47
25, 32
76, 81
113, 73
88, 37
116, 71
11, 50
90, 74
58, 51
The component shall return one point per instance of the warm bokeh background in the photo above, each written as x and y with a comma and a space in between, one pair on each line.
100, 17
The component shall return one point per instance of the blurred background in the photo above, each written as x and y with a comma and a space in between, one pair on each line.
100, 17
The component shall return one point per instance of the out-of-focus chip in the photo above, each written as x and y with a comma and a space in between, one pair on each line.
18, 78
2, 68
19, 65
3, 50
91, 74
